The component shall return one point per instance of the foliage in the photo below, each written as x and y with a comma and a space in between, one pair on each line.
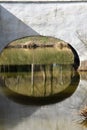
36, 56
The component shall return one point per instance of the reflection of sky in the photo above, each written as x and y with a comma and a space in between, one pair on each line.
58, 116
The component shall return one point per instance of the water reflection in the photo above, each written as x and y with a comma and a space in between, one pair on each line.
39, 84
16, 116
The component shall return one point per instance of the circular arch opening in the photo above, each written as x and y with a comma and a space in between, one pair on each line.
46, 65
18, 46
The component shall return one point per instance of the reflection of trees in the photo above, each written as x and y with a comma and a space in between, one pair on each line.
43, 67
61, 75
32, 78
41, 80
51, 77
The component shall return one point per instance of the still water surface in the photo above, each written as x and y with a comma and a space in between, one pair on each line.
41, 97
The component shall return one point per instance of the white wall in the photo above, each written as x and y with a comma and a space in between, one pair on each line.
57, 19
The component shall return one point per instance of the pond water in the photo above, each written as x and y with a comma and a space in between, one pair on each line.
41, 97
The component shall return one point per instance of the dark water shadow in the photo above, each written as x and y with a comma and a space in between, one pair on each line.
12, 28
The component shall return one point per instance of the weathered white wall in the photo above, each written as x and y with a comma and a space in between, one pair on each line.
57, 19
